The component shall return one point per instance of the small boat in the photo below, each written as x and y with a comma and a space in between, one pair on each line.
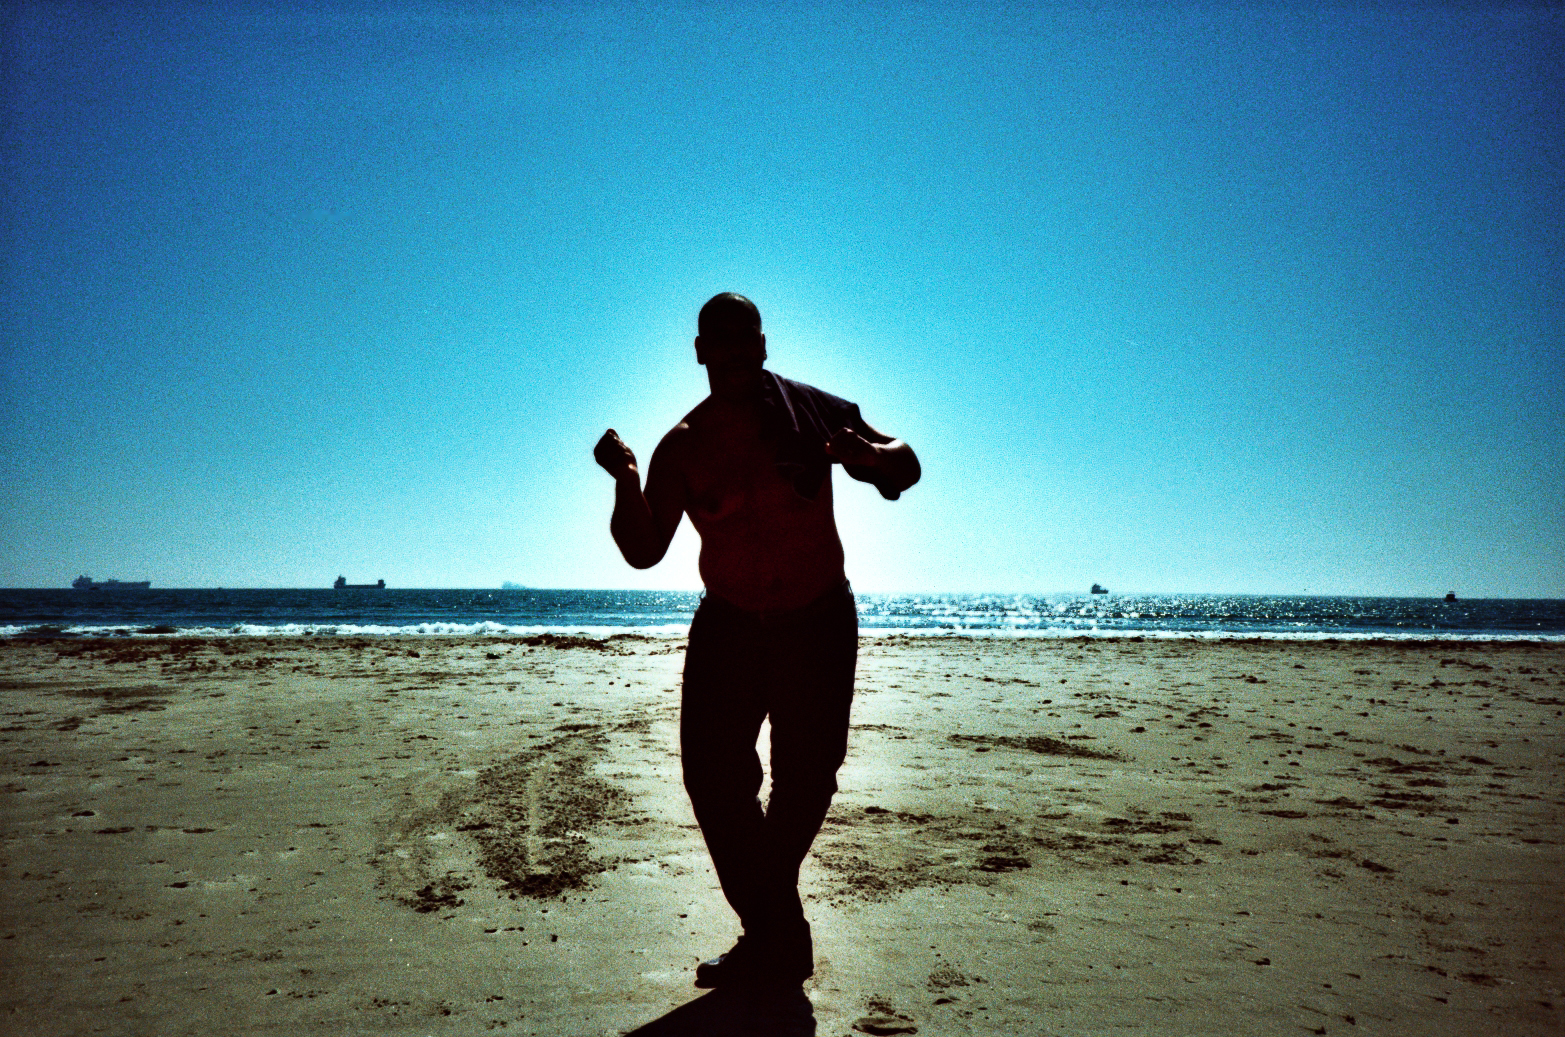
87, 583
1099, 589
1450, 595
342, 584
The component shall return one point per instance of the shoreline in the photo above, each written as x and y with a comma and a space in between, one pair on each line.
428, 835
680, 631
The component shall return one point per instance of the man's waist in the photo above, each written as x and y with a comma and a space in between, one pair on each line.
833, 596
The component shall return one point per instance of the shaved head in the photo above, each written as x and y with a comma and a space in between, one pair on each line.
725, 311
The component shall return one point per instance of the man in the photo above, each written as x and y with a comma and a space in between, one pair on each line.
777, 631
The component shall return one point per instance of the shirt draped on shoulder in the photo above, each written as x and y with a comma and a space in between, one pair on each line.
802, 418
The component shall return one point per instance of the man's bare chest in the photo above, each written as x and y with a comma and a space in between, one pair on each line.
734, 477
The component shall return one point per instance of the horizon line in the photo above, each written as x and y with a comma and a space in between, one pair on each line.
1107, 593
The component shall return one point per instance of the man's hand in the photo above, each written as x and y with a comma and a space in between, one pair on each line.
849, 447
615, 457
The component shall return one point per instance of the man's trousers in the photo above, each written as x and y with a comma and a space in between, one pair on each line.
741, 667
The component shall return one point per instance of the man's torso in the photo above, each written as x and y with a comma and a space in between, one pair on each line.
763, 546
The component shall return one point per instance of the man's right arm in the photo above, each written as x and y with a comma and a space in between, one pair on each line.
643, 523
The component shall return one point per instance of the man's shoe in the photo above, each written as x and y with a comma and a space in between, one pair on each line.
732, 969
749, 965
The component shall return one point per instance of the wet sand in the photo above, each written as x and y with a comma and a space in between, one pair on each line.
444, 836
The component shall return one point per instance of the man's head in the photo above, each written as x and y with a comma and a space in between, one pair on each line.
730, 345
728, 310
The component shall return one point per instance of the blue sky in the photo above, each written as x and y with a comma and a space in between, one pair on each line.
1206, 298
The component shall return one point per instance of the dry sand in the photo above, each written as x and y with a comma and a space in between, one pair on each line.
1064, 837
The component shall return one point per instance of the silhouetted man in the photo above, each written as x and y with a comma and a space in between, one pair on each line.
777, 631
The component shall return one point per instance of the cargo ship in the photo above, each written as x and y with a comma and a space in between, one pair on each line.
342, 584
87, 583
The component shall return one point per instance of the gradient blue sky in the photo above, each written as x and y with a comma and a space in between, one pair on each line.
1189, 298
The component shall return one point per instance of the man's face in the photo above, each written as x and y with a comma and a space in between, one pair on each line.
733, 354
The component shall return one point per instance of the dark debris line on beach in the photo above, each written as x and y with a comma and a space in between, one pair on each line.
1041, 744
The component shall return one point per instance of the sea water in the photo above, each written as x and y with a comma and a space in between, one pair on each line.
317, 612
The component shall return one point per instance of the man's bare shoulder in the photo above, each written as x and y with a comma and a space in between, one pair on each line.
699, 417
683, 436
676, 442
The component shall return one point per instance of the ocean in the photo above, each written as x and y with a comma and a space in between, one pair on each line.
411, 613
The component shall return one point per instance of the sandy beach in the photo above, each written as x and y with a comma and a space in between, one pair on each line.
1034, 836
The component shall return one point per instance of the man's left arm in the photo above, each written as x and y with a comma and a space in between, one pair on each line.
868, 447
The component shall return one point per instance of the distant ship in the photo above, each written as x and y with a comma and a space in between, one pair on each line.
1450, 595
87, 583
1099, 589
342, 584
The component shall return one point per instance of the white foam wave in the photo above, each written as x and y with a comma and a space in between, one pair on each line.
483, 629
1131, 633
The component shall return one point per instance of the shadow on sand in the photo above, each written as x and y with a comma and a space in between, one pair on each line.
724, 1013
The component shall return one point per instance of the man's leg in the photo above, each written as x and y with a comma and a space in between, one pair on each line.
812, 663
720, 719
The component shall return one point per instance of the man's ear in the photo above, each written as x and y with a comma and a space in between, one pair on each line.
763, 349
699, 358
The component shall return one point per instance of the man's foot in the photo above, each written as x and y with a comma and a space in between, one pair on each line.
748, 964
726, 970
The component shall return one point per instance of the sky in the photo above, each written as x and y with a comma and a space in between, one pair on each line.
1172, 298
